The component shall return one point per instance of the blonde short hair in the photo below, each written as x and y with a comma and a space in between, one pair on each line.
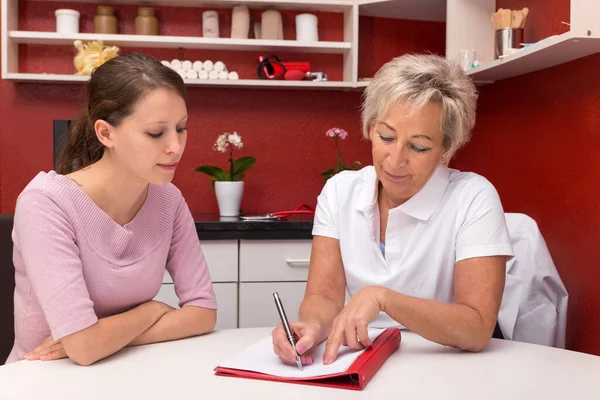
421, 79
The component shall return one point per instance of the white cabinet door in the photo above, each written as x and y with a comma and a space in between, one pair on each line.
226, 294
222, 260
257, 307
227, 305
274, 260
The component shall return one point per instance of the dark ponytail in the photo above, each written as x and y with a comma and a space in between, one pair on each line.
112, 92
80, 147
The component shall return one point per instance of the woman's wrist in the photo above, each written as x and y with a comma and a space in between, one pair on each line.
382, 296
158, 309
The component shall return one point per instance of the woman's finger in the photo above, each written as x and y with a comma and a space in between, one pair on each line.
306, 343
280, 339
49, 350
285, 356
352, 337
334, 341
363, 334
55, 355
49, 342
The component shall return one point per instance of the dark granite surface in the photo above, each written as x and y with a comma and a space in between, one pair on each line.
213, 227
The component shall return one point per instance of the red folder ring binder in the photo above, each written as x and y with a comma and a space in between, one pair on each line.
355, 377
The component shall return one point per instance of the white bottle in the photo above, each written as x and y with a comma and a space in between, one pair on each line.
191, 74
219, 66
186, 65
207, 65
67, 21
197, 66
175, 64
210, 24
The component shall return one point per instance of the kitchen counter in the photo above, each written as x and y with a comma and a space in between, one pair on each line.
213, 227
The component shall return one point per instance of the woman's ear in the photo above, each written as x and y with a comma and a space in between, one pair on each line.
104, 132
445, 158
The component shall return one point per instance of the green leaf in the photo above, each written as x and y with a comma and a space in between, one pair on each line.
330, 171
243, 164
238, 176
356, 165
212, 171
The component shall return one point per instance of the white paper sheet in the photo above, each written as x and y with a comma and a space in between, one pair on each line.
261, 358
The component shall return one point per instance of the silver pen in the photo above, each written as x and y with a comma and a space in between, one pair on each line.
287, 327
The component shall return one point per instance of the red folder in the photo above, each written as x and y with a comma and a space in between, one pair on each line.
355, 377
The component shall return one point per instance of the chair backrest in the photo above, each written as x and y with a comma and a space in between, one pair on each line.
534, 304
7, 287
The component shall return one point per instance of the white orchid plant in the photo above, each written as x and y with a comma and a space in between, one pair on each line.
227, 142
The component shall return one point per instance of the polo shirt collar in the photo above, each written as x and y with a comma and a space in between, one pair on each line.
421, 206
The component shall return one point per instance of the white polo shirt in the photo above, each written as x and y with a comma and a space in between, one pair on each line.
455, 216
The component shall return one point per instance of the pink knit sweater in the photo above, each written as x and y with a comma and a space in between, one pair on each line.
74, 264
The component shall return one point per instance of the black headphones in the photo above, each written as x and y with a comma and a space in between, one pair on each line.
265, 64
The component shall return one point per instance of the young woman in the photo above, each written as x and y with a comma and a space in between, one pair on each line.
92, 240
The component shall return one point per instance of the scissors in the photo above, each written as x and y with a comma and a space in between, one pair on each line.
301, 209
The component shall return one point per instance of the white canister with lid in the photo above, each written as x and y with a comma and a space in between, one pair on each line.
307, 28
67, 21
210, 24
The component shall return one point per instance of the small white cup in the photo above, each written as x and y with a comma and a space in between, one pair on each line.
67, 21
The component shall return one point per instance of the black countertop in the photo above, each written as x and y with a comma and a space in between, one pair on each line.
213, 227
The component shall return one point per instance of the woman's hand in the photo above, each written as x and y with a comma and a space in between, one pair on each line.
50, 349
350, 326
307, 337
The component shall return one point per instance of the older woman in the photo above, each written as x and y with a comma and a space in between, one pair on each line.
415, 243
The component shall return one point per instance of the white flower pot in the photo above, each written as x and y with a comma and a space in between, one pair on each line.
229, 197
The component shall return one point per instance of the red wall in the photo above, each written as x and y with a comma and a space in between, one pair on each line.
284, 129
537, 139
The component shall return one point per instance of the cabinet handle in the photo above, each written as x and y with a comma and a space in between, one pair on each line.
293, 262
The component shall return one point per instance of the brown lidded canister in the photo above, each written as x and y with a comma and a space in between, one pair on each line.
145, 22
105, 20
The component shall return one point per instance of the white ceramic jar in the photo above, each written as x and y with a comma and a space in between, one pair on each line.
307, 28
67, 21
210, 24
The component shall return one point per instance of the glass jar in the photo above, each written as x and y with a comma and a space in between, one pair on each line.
105, 20
145, 22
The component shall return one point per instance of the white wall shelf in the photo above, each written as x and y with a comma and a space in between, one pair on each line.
348, 48
468, 26
186, 42
547, 53
423, 10
304, 5
239, 83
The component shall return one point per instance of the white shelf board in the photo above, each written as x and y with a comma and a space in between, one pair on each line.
309, 5
240, 83
423, 10
187, 42
549, 52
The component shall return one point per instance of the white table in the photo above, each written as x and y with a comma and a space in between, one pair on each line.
419, 369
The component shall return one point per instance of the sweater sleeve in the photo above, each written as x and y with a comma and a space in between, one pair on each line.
46, 240
186, 263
